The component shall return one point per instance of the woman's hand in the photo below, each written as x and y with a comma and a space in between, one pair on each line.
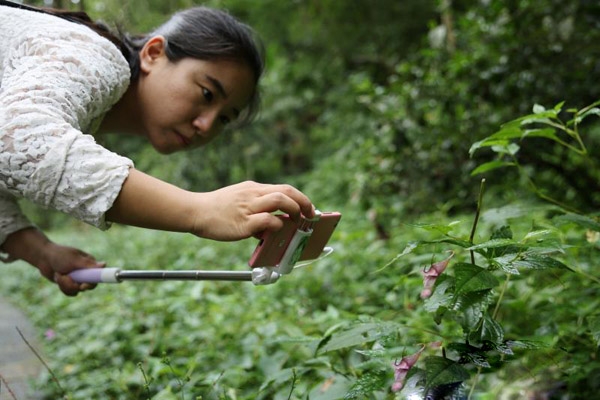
245, 209
54, 261
59, 261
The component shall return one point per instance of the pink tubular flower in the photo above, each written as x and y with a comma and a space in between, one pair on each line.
430, 275
401, 369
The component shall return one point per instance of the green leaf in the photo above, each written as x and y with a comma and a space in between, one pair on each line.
505, 262
548, 133
510, 148
408, 249
594, 325
445, 229
492, 165
489, 331
504, 232
354, 336
592, 111
488, 142
454, 241
503, 348
527, 344
581, 220
470, 353
471, 278
506, 133
496, 243
538, 261
537, 234
367, 384
442, 371
472, 306
538, 109
442, 294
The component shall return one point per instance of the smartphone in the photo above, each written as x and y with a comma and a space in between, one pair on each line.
272, 245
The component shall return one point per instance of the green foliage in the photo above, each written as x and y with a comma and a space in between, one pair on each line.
570, 152
334, 329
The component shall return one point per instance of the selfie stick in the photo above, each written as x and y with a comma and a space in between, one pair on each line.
258, 276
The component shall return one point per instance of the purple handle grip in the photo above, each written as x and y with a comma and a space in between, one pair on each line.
88, 275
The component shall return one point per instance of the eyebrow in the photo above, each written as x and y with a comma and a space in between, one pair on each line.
221, 91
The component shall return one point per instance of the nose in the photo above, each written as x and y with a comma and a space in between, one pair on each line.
205, 124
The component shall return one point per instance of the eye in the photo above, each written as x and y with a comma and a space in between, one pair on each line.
208, 95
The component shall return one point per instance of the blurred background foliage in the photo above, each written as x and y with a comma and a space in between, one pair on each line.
380, 100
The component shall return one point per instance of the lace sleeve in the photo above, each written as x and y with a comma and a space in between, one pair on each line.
11, 220
56, 84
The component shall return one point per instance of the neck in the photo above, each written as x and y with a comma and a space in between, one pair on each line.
124, 117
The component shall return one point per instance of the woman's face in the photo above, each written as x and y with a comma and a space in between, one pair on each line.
187, 103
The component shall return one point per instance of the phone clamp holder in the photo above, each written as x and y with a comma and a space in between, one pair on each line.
268, 275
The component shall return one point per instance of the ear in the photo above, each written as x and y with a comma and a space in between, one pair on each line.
151, 52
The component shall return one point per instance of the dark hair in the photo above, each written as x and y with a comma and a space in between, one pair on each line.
199, 32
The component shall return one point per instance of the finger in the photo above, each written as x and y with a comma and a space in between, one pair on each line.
260, 223
306, 207
66, 284
276, 201
303, 202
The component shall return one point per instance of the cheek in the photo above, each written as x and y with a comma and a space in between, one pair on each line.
179, 103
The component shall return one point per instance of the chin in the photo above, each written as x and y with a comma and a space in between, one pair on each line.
165, 150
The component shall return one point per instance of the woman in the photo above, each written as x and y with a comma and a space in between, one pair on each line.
64, 78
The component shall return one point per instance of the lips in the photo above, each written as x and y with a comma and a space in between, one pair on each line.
182, 139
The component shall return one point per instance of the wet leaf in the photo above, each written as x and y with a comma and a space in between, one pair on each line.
471, 278
442, 371
489, 331
538, 261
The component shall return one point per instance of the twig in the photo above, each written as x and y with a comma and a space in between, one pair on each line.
54, 378
7, 387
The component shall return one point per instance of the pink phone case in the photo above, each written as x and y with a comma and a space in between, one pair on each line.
272, 245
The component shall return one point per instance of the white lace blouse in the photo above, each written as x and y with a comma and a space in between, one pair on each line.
57, 80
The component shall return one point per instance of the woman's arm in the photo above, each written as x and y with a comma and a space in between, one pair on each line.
53, 260
231, 213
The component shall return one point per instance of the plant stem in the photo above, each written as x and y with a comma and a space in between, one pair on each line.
495, 314
167, 362
7, 387
54, 378
146, 381
294, 377
474, 383
477, 213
